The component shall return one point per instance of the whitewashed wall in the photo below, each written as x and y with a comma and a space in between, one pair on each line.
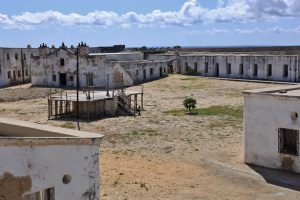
263, 115
46, 166
248, 62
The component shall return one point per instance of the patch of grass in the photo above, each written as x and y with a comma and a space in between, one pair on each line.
135, 133
231, 111
68, 125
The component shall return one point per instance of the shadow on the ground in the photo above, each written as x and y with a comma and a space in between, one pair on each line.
279, 177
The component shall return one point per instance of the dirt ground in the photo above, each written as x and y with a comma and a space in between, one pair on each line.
161, 155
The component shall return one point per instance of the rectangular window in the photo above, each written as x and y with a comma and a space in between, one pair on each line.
288, 141
7, 56
8, 74
241, 69
206, 67
16, 56
137, 72
228, 68
186, 66
254, 70
151, 71
90, 80
285, 70
24, 56
19, 73
196, 67
71, 78
144, 74
62, 62
269, 70
54, 78
47, 194
165, 71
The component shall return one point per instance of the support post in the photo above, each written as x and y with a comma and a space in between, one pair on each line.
142, 98
107, 87
77, 88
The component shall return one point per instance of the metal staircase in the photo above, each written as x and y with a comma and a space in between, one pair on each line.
127, 106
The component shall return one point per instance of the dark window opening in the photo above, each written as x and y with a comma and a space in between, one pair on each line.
206, 67
288, 141
217, 69
241, 70
144, 74
196, 67
71, 78
7, 56
137, 72
24, 56
269, 70
19, 73
186, 66
47, 194
228, 68
8, 74
255, 70
62, 62
16, 56
165, 71
54, 78
14, 75
285, 71
90, 80
151, 71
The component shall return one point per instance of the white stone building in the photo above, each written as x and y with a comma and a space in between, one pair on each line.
40, 162
57, 68
271, 126
15, 65
242, 66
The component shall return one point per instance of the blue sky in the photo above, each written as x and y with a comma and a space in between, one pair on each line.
150, 22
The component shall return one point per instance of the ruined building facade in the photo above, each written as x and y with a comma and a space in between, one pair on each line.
114, 67
58, 68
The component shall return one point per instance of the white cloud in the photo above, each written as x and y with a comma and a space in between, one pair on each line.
189, 14
275, 29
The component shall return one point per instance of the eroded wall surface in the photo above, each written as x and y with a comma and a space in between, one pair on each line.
217, 66
28, 169
263, 116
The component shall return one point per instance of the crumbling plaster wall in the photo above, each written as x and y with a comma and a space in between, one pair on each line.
263, 115
44, 167
248, 62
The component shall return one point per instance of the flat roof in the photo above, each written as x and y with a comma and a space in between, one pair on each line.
118, 53
286, 91
12, 128
97, 95
235, 54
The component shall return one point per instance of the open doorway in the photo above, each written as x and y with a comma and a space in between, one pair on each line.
62, 80
217, 70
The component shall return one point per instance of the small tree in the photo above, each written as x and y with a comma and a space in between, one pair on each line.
190, 103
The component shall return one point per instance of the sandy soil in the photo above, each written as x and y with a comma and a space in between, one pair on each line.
161, 156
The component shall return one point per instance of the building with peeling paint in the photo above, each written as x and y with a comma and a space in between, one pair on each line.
271, 126
58, 68
40, 162
271, 66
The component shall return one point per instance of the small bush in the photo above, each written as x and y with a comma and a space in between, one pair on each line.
190, 104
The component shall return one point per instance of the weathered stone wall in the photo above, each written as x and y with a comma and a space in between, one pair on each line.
242, 66
264, 114
28, 169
